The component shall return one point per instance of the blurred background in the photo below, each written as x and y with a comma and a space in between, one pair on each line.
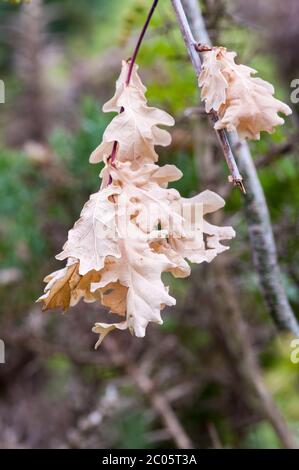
216, 373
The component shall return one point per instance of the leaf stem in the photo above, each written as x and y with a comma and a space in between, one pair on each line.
140, 39
132, 62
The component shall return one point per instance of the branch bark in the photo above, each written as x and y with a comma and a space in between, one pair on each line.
237, 340
256, 210
235, 176
158, 400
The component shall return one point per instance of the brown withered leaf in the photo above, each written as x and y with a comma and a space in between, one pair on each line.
60, 286
82, 289
114, 296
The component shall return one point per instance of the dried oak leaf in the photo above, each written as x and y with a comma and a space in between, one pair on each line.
66, 287
92, 238
134, 228
243, 103
140, 269
202, 240
135, 129
152, 245
114, 296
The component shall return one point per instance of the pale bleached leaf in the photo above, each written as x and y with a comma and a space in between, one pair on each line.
139, 269
92, 238
135, 129
103, 329
244, 104
135, 228
200, 240
212, 81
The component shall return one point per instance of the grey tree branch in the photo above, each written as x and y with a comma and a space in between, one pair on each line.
158, 400
263, 245
256, 209
237, 340
228, 326
235, 176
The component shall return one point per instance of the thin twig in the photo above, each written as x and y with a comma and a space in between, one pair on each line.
143, 31
243, 356
132, 62
235, 176
256, 209
234, 336
192, 47
278, 151
158, 400
162, 407
263, 245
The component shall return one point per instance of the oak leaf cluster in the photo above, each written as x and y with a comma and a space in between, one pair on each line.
134, 228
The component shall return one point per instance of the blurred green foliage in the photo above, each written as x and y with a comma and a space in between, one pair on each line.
30, 202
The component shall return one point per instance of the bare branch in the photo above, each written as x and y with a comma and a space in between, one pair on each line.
236, 336
256, 209
158, 400
263, 245
191, 45
278, 151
